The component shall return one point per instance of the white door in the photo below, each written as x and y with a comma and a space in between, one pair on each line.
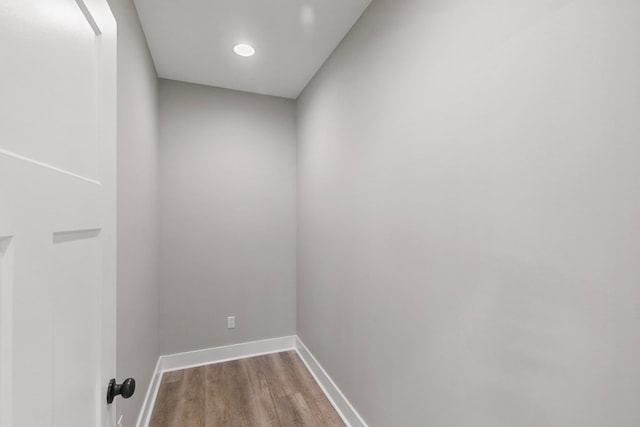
57, 212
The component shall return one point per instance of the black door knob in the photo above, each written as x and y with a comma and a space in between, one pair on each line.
126, 389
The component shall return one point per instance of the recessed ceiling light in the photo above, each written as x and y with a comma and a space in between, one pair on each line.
244, 49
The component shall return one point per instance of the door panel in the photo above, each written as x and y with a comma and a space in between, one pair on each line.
54, 55
57, 212
76, 268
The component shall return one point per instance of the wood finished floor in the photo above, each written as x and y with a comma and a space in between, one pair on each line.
271, 390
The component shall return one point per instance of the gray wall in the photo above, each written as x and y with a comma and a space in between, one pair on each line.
137, 315
227, 216
469, 213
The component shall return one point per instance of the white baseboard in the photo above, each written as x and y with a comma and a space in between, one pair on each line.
192, 359
347, 412
150, 398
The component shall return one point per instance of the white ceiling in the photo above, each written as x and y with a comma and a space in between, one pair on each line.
193, 40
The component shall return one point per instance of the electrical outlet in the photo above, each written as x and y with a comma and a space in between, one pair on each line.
231, 322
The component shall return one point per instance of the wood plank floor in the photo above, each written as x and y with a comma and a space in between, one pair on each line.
271, 390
